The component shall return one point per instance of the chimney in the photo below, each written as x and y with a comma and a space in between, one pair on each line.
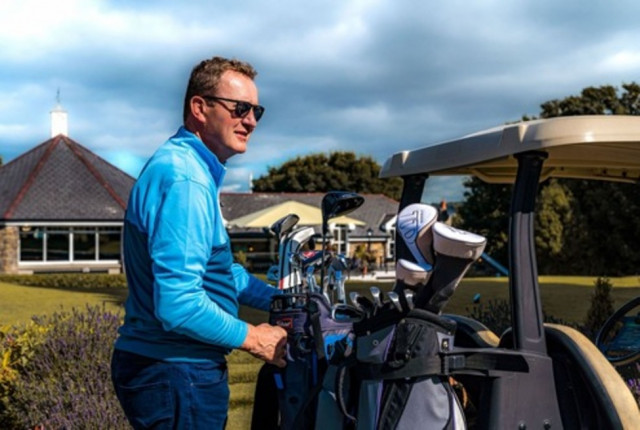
59, 123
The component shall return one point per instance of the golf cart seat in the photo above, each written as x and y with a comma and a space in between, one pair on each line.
591, 393
473, 334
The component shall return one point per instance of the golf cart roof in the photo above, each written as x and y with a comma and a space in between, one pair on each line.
605, 147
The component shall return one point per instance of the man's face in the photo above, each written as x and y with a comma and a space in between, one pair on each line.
224, 133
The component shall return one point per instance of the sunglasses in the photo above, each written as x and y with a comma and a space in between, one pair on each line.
241, 109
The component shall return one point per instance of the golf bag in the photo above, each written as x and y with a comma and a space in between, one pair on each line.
287, 398
397, 378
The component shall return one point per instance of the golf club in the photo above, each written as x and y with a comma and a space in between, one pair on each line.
455, 250
375, 294
408, 295
395, 300
281, 228
291, 275
336, 203
414, 225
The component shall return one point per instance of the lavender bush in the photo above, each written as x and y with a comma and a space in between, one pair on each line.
65, 381
496, 315
631, 374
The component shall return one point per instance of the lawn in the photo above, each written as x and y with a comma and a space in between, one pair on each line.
19, 303
563, 297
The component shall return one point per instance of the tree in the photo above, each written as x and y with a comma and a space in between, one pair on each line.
553, 214
322, 173
600, 237
596, 101
601, 307
486, 211
582, 227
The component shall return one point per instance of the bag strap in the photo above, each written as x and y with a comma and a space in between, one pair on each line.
339, 386
443, 365
317, 333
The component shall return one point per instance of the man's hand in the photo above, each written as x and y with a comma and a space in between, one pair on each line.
266, 342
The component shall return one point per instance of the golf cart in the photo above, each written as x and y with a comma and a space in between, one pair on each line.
536, 375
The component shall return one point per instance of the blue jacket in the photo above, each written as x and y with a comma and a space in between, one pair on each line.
184, 289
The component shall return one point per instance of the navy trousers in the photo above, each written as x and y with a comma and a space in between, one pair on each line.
167, 395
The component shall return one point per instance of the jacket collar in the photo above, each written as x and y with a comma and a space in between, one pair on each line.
217, 169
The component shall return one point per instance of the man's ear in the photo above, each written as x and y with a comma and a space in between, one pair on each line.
197, 106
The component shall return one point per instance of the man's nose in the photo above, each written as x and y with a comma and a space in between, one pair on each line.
250, 120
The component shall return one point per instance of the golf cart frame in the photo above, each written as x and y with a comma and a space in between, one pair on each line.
540, 375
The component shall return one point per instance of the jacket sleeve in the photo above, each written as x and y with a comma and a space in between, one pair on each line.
179, 245
252, 291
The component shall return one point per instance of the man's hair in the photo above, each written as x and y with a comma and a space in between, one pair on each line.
206, 76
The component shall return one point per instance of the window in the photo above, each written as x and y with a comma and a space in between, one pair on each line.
84, 244
109, 243
61, 243
31, 244
57, 244
340, 239
391, 244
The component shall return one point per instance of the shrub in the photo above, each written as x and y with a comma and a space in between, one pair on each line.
62, 379
496, 315
634, 384
600, 309
68, 280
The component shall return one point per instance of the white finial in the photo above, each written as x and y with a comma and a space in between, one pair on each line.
59, 123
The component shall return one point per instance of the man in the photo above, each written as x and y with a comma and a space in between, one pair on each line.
169, 367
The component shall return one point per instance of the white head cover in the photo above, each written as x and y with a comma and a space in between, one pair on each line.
414, 225
411, 274
457, 243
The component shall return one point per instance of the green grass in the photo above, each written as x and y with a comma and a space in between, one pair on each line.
19, 303
563, 297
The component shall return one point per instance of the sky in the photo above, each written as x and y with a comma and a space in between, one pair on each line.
372, 77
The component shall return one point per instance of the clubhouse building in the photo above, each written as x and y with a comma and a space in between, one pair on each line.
62, 210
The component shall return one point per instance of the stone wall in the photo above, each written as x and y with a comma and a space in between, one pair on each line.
9, 249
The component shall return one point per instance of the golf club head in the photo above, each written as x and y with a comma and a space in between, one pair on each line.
408, 295
395, 300
414, 226
336, 203
344, 312
375, 294
284, 224
294, 240
353, 296
413, 275
297, 238
457, 243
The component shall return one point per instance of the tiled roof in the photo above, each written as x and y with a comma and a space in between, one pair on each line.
376, 210
60, 180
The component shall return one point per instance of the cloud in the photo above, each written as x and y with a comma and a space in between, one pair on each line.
373, 77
